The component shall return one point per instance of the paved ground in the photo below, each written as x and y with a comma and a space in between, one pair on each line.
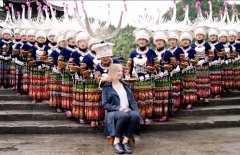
206, 142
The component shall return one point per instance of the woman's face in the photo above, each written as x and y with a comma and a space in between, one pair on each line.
31, 38
119, 73
63, 44
185, 42
17, 36
72, 41
52, 38
238, 36
82, 44
199, 37
23, 38
142, 42
172, 42
231, 38
223, 39
41, 40
213, 38
105, 60
6, 36
159, 43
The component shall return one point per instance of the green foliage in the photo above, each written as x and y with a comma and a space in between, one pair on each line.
125, 41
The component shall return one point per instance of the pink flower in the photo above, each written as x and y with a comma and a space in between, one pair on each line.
44, 7
233, 7
28, 3
186, 7
225, 3
174, 1
206, 12
49, 4
10, 5
23, 6
198, 4
63, 4
220, 12
30, 8
6, 8
209, 2
18, 13
38, 3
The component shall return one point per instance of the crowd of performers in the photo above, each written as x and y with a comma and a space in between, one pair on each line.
67, 71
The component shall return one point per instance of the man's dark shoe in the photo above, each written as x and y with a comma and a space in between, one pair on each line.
127, 148
118, 148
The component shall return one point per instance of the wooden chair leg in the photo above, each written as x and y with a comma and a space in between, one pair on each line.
110, 140
132, 141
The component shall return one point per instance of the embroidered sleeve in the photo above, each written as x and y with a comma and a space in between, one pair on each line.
129, 66
156, 63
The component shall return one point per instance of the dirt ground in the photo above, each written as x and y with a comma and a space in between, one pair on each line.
196, 142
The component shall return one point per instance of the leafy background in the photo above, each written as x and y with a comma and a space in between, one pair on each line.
125, 41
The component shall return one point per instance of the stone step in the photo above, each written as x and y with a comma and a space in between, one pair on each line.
31, 115
210, 111
222, 101
231, 94
23, 105
70, 126
7, 91
194, 123
13, 97
46, 127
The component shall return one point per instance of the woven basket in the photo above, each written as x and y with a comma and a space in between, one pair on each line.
62, 64
194, 61
150, 69
74, 69
167, 67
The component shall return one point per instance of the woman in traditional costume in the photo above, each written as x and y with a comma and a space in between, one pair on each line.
162, 97
215, 65
56, 78
173, 38
5, 58
63, 64
142, 64
37, 80
236, 65
188, 75
227, 67
203, 50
